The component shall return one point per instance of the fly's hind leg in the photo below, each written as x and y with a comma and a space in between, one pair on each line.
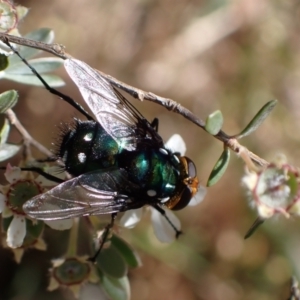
163, 213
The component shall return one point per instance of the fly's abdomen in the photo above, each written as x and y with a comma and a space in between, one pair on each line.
87, 148
152, 171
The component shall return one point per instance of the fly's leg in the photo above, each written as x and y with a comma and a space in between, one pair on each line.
41, 172
104, 237
163, 213
44, 174
154, 124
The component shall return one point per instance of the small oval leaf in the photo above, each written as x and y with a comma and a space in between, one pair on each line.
3, 62
219, 168
8, 100
52, 80
253, 227
130, 256
111, 263
116, 288
45, 35
41, 65
4, 132
8, 150
257, 120
214, 122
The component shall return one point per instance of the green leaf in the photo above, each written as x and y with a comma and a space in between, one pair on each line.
130, 256
111, 262
116, 289
258, 119
219, 168
52, 80
4, 132
3, 62
8, 150
42, 65
8, 100
45, 35
214, 122
254, 226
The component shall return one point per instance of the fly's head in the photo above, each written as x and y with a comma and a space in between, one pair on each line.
188, 185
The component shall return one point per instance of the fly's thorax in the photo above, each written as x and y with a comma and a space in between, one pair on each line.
152, 169
187, 186
87, 147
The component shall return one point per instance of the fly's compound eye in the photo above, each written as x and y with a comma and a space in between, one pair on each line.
184, 200
191, 168
191, 181
189, 185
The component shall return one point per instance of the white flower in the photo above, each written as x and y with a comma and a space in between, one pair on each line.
162, 227
16, 232
72, 273
274, 190
22, 186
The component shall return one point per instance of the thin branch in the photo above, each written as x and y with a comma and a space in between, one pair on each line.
55, 49
28, 139
171, 105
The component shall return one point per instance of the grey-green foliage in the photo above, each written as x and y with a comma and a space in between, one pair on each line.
116, 288
257, 120
19, 72
219, 168
214, 122
7, 150
13, 68
8, 100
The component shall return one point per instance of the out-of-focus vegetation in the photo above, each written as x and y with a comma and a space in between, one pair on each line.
207, 55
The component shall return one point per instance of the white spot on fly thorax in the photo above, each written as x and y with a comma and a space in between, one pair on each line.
81, 157
170, 186
151, 193
176, 158
164, 200
88, 137
163, 151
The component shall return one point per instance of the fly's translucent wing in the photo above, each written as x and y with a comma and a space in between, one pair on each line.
89, 194
116, 115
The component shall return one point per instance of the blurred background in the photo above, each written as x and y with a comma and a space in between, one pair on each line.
207, 55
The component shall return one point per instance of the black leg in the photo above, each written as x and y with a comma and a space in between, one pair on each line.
154, 124
41, 172
48, 159
104, 237
163, 213
53, 91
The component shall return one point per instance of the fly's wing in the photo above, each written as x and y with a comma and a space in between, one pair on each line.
89, 194
117, 116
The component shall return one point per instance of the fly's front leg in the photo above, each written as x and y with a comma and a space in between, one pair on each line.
163, 213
